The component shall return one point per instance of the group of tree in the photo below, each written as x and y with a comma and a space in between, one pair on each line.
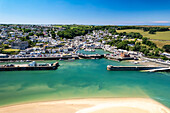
71, 33
40, 34
150, 29
153, 30
166, 48
121, 44
149, 43
146, 47
26, 30
53, 34
131, 35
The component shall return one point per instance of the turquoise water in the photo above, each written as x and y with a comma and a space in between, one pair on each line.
82, 79
97, 51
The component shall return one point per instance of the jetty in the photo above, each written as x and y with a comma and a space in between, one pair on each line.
132, 68
31, 66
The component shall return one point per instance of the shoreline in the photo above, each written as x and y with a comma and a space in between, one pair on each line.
144, 63
89, 105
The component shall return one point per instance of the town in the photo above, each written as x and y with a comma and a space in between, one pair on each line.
35, 42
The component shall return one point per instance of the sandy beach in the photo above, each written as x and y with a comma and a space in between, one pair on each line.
98, 105
145, 63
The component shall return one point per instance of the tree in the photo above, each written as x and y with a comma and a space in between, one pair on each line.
152, 31
137, 47
31, 44
27, 37
53, 34
27, 30
123, 45
31, 34
1, 49
157, 52
146, 52
5, 46
166, 48
144, 40
40, 34
164, 58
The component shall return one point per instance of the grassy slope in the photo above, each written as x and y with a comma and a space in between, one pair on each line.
9, 50
159, 35
57, 25
160, 44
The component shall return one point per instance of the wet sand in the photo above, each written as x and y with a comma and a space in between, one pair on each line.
96, 105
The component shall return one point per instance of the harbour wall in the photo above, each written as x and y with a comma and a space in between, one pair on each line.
53, 67
131, 68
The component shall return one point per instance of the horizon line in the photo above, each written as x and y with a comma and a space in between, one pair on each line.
161, 24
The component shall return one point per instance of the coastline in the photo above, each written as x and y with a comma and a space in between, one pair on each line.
144, 63
90, 105
130, 61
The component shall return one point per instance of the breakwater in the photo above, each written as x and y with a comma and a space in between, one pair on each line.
131, 68
160, 70
53, 66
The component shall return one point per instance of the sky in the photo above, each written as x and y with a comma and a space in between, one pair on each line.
91, 12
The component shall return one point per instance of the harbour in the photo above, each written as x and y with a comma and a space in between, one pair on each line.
83, 78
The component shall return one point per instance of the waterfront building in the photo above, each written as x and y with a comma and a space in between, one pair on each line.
3, 56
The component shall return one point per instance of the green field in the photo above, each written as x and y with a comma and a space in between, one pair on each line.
11, 50
63, 26
159, 35
160, 44
57, 25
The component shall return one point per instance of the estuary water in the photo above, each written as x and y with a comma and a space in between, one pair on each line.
85, 78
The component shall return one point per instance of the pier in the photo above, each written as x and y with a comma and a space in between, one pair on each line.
23, 67
132, 68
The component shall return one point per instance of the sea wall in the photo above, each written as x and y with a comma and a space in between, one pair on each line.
130, 68
53, 67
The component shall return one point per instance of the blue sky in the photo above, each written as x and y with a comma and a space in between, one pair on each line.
96, 12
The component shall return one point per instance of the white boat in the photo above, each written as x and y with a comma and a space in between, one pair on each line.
61, 59
28, 60
91, 50
71, 59
136, 62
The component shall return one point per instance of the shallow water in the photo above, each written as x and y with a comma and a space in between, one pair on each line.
82, 79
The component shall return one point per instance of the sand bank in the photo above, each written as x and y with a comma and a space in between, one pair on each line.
98, 105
